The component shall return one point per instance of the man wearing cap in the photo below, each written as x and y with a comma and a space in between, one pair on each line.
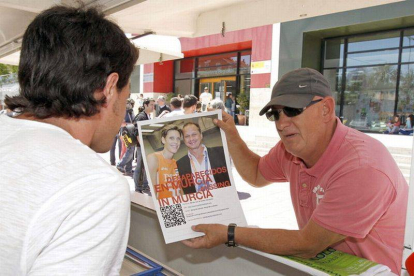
346, 190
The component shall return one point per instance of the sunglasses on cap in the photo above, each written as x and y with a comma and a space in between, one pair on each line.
273, 114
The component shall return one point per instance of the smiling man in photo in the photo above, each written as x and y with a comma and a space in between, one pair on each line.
203, 167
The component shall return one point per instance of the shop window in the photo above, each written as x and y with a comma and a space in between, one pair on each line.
369, 97
214, 71
184, 69
408, 40
334, 77
406, 90
371, 77
218, 60
217, 65
334, 53
184, 87
372, 58
245, 84
376, 41
245, 62
407, 55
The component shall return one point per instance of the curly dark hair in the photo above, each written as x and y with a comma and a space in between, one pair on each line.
189, 101
67, 54
147, 101
176, 102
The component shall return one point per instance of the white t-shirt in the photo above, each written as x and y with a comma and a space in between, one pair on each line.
176, 112
205, 97
64, 210
204, 166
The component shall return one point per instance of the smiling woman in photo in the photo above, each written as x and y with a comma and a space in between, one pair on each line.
162, 167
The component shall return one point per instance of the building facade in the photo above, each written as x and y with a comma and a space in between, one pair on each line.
366, 55
221, 63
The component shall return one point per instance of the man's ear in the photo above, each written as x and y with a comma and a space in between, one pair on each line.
110, 89
328, 109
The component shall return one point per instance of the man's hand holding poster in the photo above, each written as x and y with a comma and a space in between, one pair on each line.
188, 167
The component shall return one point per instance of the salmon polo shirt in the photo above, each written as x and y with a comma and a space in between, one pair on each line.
355, 189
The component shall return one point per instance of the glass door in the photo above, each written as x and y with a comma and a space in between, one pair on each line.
219, 87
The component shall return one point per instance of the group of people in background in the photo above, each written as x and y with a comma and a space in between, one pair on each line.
127, 151
400, 125
148, 109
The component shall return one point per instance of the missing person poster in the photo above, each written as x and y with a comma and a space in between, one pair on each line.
188, 169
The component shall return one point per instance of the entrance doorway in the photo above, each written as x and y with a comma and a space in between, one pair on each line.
218, 87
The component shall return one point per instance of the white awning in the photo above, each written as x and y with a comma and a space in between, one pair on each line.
12, 59
152, 48
194, 18
158, 48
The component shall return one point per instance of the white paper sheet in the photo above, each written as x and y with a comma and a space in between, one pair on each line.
178, 202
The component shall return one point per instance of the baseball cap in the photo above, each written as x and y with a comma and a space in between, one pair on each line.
297, 88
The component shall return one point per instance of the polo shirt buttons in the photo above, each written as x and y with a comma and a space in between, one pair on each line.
303, 189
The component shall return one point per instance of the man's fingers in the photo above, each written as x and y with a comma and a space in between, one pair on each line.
223, 124
199, 228
188, 243
226, 116
194, 243
219, 123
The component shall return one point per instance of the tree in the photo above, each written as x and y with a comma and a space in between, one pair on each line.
7, 73
243, 100
7, 69
406, 91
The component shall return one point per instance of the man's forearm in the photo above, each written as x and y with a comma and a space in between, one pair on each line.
305, 243
276, 241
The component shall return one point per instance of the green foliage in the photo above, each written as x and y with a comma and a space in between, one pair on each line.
169, 97
8, 74
244, 102
7, 69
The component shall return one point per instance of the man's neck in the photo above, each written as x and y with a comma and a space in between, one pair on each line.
198, 152
323, 145
188, 110
81, 129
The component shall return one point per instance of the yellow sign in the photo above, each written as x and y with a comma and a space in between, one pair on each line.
260, 67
